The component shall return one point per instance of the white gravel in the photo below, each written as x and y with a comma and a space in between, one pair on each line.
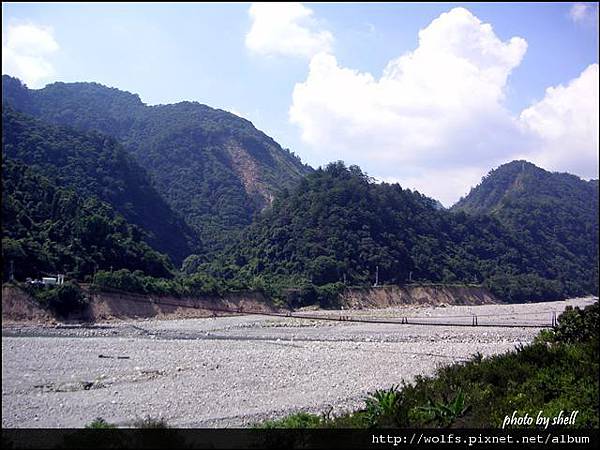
236, 371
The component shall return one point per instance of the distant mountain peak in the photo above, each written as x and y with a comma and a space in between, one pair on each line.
513, 180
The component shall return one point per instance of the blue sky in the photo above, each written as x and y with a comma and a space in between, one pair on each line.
312, 76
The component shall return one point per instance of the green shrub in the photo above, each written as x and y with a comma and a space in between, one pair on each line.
298, 420
518, 288
199, 284
99, 423
202, 284
577, 325
121, 279
328, 294
384, 406
65, 299
442, 413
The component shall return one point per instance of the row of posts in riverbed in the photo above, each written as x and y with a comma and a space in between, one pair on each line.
474, 321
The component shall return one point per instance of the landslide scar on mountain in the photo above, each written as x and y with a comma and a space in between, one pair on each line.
248, 171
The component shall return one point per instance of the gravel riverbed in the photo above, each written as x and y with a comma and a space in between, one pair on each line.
239, 370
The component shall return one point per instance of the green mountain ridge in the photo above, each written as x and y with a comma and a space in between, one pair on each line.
521, 179
339, 226
48, 228
96, 165
556, 211
212, 167
209, 189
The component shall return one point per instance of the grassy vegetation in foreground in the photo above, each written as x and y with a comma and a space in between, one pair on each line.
557, 372
147, 422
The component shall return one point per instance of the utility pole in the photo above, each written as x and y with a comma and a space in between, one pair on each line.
376, 276
410, 276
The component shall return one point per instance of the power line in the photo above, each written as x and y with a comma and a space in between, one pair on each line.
483, 315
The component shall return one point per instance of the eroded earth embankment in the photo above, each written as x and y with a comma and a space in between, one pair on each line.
104, 305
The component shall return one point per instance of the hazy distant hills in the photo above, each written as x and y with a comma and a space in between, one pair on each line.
212, 167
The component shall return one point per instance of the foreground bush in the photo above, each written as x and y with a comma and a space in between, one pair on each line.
100, 424
298, 420
576, 325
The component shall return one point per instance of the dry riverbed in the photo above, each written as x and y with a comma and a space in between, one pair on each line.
236, 371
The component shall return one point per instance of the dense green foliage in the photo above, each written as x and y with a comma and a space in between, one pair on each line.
51, 229
524, 233
96, 165
212, 167
199, 284
555, 213
558, 372
577, 325
62, 300
338, 226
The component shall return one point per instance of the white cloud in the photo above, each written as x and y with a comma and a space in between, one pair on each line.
26, 52
580, 12
234, 110
565, 123
287, 29
435, 119
437, 106
445, 185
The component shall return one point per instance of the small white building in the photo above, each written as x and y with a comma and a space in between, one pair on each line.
53, 281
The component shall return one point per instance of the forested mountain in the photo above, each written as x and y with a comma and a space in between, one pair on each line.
520, 181
557, 212
265, 220
95, 165
47, 228
338, 225
212, 167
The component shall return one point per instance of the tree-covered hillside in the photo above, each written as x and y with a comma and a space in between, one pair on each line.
555, 212
519, 181
47, 228
338, 225
96, 165
212, 167
268, 222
